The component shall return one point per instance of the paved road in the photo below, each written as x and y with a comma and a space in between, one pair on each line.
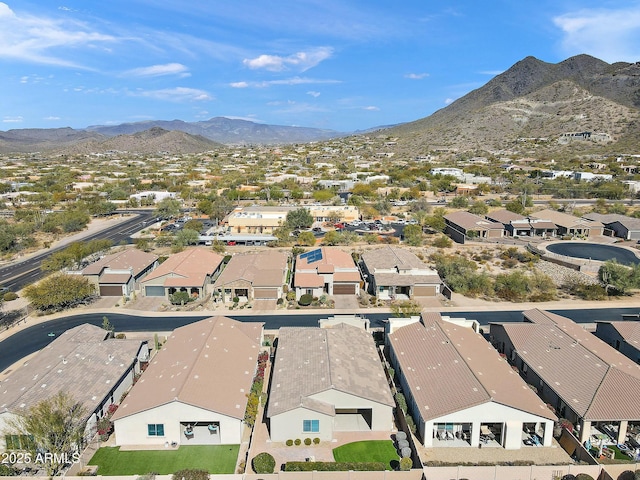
18, 275
34, 338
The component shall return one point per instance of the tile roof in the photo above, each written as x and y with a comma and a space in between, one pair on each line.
629, 222
128, 258
331, 257
564, 219
79, 362
392, 258
313, 360
208, 364
193, 263
451, 368
114, 278
505, 216
591, 377
262, 269
629, 331
469, 221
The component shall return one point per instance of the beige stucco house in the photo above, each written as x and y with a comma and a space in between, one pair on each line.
192, 270
194, 391
83, 362
327, 380
120, 273
459, 391
335, 273
253, 276
396, 273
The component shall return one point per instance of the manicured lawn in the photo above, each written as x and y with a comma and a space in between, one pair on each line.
212, 458
367, 451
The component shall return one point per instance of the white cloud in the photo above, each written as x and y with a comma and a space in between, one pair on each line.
159, 70
447, 101
239, 84
371, 108
31, 39
313, 94
52, 118
177, 94
285, 81
300, 61
17, 119
416, 76
609, 34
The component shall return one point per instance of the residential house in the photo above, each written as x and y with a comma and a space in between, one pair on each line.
462, 225
517, 225
622, 226
588, 382
193, 270
194, 391
326, 380
334, 273
624, 336
253, 276
396, 273
569, 224
85, 363
120, 273
459, 390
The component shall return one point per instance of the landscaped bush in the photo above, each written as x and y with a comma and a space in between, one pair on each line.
307, 441
289, 442
10, 296
569, 476
406, 464
442, 242
402, 402
180, 298
627, 475
305, 300
190, 474
334, 466
316, 441
263, 463
584, 476
297, 441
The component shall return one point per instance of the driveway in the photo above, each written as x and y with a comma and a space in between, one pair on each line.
346, 302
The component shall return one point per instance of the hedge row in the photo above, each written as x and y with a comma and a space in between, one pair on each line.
334, 466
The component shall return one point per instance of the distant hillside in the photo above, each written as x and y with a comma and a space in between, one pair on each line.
226, 130
535, 99
149, 141
43, 139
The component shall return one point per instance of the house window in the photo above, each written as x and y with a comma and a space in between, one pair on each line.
311, 426
19, 442
309, 291
155, 429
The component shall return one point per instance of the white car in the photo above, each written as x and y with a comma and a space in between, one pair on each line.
355, 223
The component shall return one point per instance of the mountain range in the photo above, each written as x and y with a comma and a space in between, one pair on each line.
535, 103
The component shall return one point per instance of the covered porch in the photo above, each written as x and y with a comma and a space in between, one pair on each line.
200, 433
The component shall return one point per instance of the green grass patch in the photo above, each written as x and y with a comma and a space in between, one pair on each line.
212, 458
619, 454
367, 451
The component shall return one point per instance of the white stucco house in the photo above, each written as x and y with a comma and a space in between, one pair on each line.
460, 391
326, 380
194, 390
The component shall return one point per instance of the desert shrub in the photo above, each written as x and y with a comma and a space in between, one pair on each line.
180, 298
307, 441
411, 424
334, 466
569, 476
586, 291
406, 463
263, 463
584, 476
442, 242
402, 402
289, 442
297, 441
280, 301
291, 296
627, 475
121, 336
316, 441
190, 474
305, 300
7, 470
10, 296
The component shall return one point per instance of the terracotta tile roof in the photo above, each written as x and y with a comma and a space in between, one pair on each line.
313, 360
192, 263
114, 278
591, 377
331, 257
308, 280
392, 258
334, 261
262, 269
565, 220
505, 216
450, 368
129, 258
209, 364
80, 362
346, 277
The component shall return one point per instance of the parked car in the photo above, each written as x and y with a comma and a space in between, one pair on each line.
339, 226
316, 229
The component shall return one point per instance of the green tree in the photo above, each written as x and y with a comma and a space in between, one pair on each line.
413, 235
323, 196
106, 325
515, 206
59, 291
478, 208
186, 237
167, 208
299, 218
616, 275
460, 202
56, 425
193, 224
332, 238
307, 238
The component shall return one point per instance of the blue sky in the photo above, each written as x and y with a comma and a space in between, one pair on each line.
338, 64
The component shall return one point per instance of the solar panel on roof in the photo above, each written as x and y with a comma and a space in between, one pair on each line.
312, 256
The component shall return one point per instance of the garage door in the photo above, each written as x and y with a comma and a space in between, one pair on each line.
110, 290
424, 291
154, 291
265, 293
344, 289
